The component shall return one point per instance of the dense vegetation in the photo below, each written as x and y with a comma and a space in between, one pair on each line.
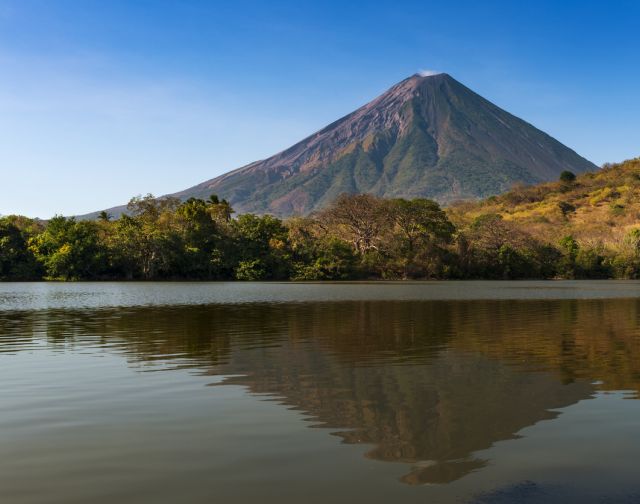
578, 227
591, 221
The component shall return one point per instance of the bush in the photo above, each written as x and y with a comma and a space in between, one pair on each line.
566, 208
251, 271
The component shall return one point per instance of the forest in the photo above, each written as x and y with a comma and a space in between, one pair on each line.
578, 227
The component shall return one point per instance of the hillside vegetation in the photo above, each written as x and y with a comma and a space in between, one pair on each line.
578, 227
597, 212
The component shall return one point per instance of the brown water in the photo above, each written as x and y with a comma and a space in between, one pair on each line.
424, 392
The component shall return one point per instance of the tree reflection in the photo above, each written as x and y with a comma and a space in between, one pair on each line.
424, 383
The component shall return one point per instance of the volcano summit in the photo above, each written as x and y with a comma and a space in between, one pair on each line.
427, 136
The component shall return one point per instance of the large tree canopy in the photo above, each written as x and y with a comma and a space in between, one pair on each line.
358, 236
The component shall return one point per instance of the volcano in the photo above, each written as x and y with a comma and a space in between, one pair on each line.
427, 136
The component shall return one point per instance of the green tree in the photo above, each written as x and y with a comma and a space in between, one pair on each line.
146, 244
69, 250
567, 264
567, 177
17, 261
333, 259
220, 210
420, 231
204, 234
498, 249
262, 247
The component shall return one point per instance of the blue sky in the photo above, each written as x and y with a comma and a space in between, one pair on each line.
102, 100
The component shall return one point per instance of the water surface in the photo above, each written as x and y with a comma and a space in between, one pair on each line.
365, 392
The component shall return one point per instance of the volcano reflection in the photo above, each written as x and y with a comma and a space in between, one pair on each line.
427, 384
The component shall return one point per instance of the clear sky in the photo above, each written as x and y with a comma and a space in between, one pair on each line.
101, 100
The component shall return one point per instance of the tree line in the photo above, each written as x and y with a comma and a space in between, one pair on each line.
357, 237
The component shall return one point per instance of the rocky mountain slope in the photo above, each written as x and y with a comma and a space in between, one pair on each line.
427, 136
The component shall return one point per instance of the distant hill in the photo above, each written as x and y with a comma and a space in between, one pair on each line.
598, 209
427, 136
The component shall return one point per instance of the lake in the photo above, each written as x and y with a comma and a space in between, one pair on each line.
439, 392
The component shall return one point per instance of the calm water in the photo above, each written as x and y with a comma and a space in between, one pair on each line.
461, 392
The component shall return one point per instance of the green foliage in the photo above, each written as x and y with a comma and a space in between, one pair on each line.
566, 208
625, 262
495, 248
17, 261
582, 262
69, 250
357, 236
203, 240
261, 247
251, 270
567, 177
420, 231
569, 248
333, 260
